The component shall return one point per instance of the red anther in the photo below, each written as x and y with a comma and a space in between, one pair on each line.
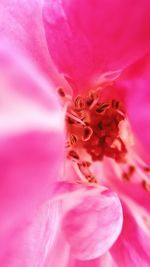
131, 170
73, 154
87, 133
91, 179
125, 176
70, 120
146, 185
146, 169
79, 103
89, 101
97, 128
61, 92
115, 104
86, 164
73, 139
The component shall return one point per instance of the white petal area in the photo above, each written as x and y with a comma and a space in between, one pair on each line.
27, 98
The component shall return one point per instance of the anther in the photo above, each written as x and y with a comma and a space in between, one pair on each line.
147, 169
86, 164
73, 154
61, 92
102, 107
146, 186
79, 103
131, 170
115, 104
87, 133
73, 139
70, 120
91, 179
126, 176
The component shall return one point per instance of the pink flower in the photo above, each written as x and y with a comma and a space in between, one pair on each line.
86, 205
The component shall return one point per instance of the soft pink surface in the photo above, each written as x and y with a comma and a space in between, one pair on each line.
132, 189
103, 261
133, 246
108, 36
31, 148
31, 239
93, 225
86, 38
19, 28
136, 83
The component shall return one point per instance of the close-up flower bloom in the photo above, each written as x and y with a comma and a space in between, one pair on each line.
75, 135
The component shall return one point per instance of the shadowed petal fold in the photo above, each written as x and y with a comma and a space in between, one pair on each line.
133, 246
16, 18
136, 82
31, 146
87, 38
92, 226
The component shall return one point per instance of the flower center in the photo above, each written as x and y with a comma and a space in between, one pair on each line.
93, 131
93, 125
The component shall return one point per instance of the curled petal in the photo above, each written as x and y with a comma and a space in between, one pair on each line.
103, 261
136, 82
93, 225
31, 145
87, 38
35, 238
133, 244
16, 18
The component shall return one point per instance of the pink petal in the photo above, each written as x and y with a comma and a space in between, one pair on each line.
87, 38
36, 237
132, 189
136, 82
16, 19
103, 261
93, 225
31, 145
27, 97
133, 246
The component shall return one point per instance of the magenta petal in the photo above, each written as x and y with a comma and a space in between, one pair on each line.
103, 261
29, 166
31, 145
136, 83
133, 246
86, 38
35, 238
16, 19
93, 226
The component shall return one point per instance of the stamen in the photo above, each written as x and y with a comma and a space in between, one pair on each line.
146, 169
146, 186
79, 103
87, 133
115, 104
73, 154
93, 126
74, 118
73, 139
61, 92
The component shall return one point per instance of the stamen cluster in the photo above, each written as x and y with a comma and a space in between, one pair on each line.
94, 126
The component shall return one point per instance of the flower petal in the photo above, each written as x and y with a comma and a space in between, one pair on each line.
93, 225
35, 237
16, 18
133, 246
103, 261
87, 38
133, 189
136, 82
31, 145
